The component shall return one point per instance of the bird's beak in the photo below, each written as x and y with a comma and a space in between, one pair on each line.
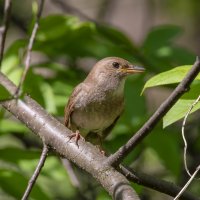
133, 69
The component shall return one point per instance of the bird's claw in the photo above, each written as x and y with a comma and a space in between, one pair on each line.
77, 137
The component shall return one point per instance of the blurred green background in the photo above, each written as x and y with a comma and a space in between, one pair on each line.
160, 35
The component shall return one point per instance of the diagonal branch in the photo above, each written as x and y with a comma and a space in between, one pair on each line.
155, 184
192, 177
183, 87
30, 46
4, 28
36, 172
54, 134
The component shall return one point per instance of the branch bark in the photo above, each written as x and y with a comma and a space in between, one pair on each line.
54, 134
155, 183
146, 129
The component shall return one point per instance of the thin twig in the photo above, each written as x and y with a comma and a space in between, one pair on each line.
29, 49
188, 183
183, 87
155, 183
36, 172
4, 28
183, 134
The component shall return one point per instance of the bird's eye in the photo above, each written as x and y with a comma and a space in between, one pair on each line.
115, 65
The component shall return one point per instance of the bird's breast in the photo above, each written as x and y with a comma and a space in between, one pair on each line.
97, 113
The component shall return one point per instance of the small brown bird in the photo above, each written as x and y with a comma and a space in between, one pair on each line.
96, 104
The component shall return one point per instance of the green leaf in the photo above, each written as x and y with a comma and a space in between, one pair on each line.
159, 37
166, 144
62, 26
54, 174
193, 92
134, 103
4, 94
175, 75
32, 86
78, 36
49, 97
14, 184
117, 37
12, 59
16, 49
6, 154
8, 126
81, 39
181, 56
10, 67
178, 111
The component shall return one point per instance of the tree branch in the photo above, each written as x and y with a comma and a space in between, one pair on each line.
183, 87
183, 135
36, 172
192, 177
155, 184
54, 134
4, 28
30, 46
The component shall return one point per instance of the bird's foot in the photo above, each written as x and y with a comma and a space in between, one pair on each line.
102, 152
99, 147
77, 136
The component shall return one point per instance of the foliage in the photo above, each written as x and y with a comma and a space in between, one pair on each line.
180, 109
50, 82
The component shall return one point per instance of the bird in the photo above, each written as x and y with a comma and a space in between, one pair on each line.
97, 103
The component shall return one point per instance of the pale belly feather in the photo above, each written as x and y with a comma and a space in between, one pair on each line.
97, 116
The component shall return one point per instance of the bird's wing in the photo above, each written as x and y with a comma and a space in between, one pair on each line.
69, 108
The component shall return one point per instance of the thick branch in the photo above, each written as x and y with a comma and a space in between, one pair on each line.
183, 86
53, 133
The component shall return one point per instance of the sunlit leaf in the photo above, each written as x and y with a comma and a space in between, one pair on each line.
178, 111
175, 75
49, 98
12, 59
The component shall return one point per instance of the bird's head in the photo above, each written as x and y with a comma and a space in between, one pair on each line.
114, 68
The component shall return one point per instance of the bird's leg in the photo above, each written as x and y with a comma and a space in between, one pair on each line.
77, 136
100, 146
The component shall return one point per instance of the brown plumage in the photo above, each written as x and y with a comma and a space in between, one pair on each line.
96, 104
